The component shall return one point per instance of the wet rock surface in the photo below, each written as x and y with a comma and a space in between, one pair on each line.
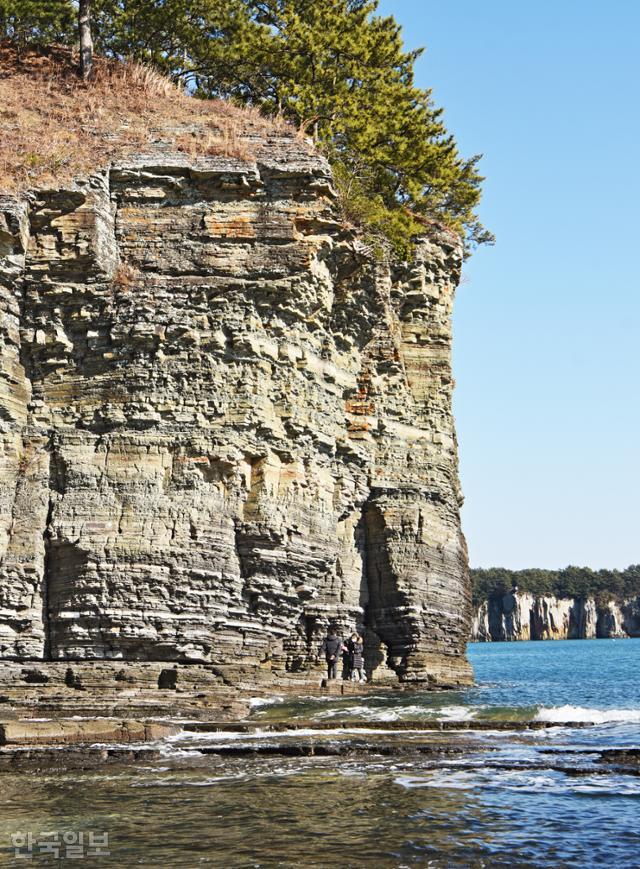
73, 744
68, 732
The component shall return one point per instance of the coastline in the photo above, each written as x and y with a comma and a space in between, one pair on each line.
457, 777
75, 743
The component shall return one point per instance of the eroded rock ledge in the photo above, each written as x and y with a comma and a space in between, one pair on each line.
222, 425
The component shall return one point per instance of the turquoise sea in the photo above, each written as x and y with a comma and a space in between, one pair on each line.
483, 797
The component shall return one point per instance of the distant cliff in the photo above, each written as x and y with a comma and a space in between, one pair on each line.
524, 616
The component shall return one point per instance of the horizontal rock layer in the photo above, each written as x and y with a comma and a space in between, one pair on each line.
522, 616
70, 732
224, 425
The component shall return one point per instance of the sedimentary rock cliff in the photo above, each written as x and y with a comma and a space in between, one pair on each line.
223, 425
521, 616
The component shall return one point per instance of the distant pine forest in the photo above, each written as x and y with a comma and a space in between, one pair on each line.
603, 585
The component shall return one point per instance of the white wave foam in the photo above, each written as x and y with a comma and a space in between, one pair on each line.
236, 735
462, 781
398, 713
456, 713
582, 714
366, 712
215, 735
190, 744
527, 781
256, 702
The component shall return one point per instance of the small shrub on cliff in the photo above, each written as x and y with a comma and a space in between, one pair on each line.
124, 277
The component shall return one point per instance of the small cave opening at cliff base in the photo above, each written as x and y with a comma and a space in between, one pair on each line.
385, 633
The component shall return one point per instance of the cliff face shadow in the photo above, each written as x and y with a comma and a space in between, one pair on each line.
379, 594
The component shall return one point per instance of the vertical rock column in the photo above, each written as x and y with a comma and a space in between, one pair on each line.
416, 559
24, 461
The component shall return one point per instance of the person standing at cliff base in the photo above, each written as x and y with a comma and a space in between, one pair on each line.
346, 658
356, 658
332, 648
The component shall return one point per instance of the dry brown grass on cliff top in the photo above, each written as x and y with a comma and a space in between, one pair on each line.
54, 127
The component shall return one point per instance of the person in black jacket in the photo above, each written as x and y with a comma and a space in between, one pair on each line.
356, 655
332, 648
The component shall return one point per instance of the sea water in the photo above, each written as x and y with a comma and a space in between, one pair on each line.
533, 798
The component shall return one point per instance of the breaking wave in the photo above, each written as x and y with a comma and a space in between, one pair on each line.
582, 714
398, 713
257, 702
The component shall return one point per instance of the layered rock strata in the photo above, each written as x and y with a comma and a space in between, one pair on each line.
224, 425
522, 616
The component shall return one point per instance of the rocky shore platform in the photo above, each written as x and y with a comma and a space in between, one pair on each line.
151, 690
84, 744
84, 716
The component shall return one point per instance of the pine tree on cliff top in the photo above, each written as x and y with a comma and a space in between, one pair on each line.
340, 72
335, 69
39, 21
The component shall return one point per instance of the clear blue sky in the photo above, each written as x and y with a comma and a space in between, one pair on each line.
547, 324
